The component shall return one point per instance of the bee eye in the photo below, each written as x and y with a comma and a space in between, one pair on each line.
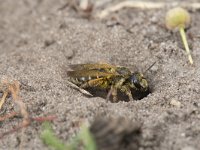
135, 81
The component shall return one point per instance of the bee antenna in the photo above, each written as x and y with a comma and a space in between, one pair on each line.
150, 67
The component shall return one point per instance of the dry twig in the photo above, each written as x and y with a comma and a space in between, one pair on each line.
144, 5
13, 88
8, 116
23, 125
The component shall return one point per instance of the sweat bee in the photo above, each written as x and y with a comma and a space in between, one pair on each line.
109, 77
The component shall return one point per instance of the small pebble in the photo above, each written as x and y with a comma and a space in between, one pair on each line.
175, 103
86, 5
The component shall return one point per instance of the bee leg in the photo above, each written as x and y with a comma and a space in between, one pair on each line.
113, 92
118, 84
129, 95
127, 91
84, 85
109, 94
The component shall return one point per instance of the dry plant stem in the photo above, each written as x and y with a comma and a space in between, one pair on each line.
10, 115
144, 5
14, 89
42, 119
23, 125
15, 94
183, 36
5, 94
24, 112
13, 130
134, 4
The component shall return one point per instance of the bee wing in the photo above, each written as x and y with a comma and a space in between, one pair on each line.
97, 66
96, 82
88, 73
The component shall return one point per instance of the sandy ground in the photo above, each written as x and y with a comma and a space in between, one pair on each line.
39, 39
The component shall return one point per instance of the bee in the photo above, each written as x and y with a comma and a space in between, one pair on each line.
110, 77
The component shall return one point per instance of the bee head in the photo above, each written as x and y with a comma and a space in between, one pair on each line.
139, 82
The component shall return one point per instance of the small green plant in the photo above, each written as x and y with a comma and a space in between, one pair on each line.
87, 138
84, 138
179, 18
51, 140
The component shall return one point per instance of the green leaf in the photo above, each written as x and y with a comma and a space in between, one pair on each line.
51, 140
87, 138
